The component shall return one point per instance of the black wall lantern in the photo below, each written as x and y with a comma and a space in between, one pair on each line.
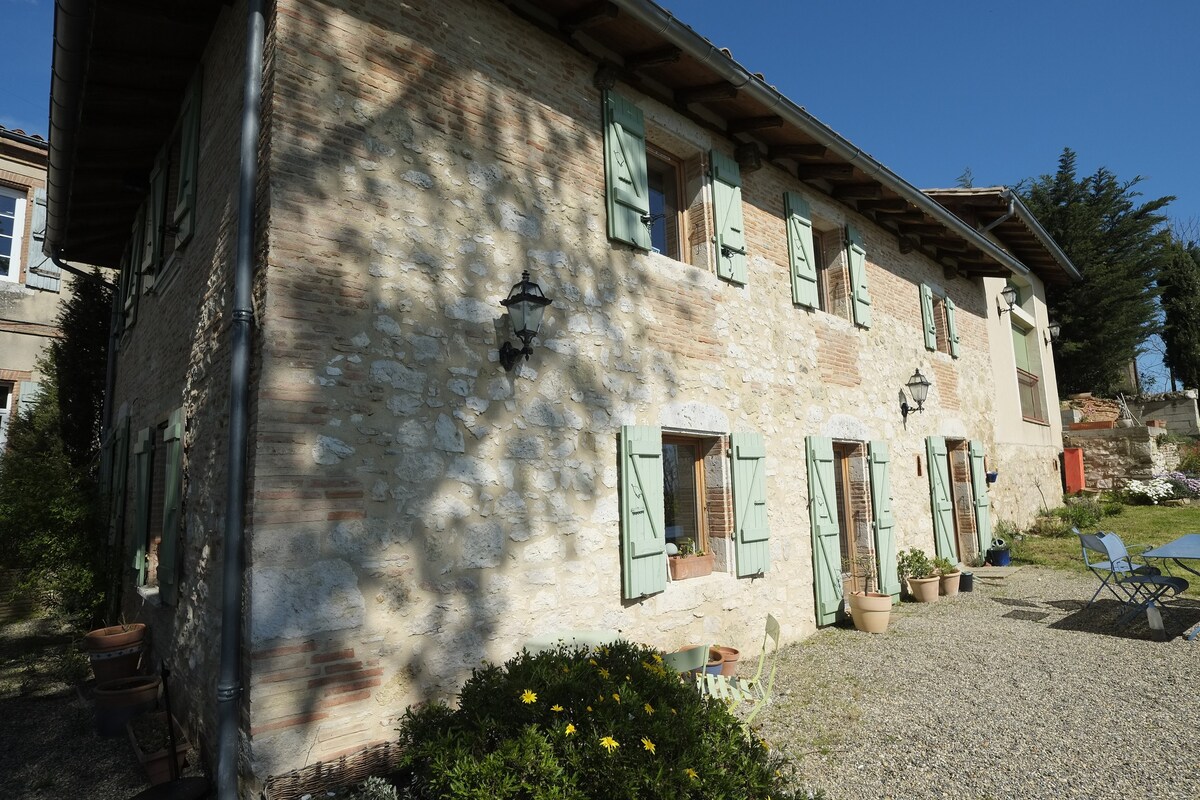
1052, 332
1008, 296
918, 386
525, 304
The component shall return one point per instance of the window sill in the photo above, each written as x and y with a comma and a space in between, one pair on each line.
1033, 421
149, 595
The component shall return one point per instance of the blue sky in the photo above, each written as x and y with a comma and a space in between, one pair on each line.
928, 87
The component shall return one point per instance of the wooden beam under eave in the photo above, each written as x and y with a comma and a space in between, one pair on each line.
886, 205
588, 16
754, 123
711, 91
652, 58
857, 191
832, 171
951, 245
921, 230
797, 151
950, 272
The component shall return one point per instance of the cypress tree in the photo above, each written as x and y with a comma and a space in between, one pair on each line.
1179, 282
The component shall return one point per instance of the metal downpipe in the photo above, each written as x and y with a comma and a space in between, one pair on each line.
229, 683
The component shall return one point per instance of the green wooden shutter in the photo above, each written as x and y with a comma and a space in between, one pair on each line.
152, 246
749, 479
857, 253
952, 327
941, 501
28, 393
143, 451
885, 522
822, 513
927, 318
168, 567
40, 271
628, 189
184, 213
643, 538
727, 217
116, 507
983, 505
1020, 348
132, 283
800, 250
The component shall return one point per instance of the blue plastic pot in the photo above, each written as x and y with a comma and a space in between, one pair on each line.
998, 558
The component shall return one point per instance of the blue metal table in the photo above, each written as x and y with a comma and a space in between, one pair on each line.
1185, 548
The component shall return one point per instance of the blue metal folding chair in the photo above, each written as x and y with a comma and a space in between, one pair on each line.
1144, 588
1109, 560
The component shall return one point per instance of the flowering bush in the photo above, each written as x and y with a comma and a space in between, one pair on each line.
575, 724
1182, 485
1149, 492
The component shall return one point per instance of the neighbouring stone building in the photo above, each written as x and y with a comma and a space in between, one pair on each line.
740, 299
30, 284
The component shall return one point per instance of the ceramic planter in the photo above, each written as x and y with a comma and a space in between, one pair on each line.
948, 584
716, 661
115, 652
871, 611
683, 567
924, 590
119, 701
148, 735
731, 656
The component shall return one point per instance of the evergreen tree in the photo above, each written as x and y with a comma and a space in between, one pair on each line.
1119, 247
80, 361
1179, 282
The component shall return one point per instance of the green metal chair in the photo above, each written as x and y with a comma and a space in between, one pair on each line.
736, 691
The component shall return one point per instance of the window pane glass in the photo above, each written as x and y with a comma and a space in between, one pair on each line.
6, 230
679, 492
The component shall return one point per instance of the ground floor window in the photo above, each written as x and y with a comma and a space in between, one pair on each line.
853, 490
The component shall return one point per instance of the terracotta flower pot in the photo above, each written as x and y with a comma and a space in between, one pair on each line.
948, 584
690, 566
114, 637
148, 734
924, 590
115, 652
119, 701
716, 660
731, 656
870, 612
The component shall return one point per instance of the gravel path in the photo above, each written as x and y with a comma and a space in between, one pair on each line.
1010, 691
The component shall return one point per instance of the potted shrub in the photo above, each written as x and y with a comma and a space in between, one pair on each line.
688, 562
869, 610
917, 571
948, 576
151, 742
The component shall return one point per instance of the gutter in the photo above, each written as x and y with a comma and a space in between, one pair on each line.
72, 45
1012, 209
34, 141
666, 25
229, 681
1032, 223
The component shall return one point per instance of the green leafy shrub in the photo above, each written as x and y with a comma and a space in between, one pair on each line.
574, 724
944, 566
913, 563
1082, 512
1189, 458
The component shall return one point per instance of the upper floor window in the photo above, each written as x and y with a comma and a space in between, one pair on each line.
939, 316
828, 264
664, 178
12, 229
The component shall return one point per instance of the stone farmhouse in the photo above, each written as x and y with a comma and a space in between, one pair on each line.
335, 497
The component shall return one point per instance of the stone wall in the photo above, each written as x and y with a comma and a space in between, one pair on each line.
1112, 457
1177, 409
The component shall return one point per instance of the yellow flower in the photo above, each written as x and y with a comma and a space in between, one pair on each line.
647, 744
658, 658
589, 708
649, 708
691, 773
592, 661
617, 696
603, 672
570, 729
556, 707
566, 670
609, 743
528, 697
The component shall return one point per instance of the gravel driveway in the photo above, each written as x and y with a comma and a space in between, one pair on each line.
1010, 691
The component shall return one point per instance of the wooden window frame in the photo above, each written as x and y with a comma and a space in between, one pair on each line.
842, 305
16, 263
678, 215
701, 501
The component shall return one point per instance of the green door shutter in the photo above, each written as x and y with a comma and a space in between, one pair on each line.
983, 505
952, 327
822, 512
940, 498
143, 452
184, 213
927, 318
885, 522
727, 213
857, 253
800, 250
168, 568
628, 189
749, 478
643, 539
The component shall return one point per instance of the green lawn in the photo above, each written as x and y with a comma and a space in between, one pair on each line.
1148, 525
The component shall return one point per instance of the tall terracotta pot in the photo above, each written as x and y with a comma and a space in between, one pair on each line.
115, 652
731, 656
871, 611
924, 590
119, 701
948, 584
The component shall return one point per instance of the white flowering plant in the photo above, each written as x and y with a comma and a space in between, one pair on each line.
1149, 492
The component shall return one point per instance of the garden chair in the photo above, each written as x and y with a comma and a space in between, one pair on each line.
1144, 587
691, 659
736, 691
1108, 568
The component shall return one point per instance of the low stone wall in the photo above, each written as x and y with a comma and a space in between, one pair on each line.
1112, 457
1177, 409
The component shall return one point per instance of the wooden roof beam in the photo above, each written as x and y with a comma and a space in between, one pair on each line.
832, 171
886, 205
921, 230
754, 123
797, 151
652, 58
857, 191
588, 16
711, 91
